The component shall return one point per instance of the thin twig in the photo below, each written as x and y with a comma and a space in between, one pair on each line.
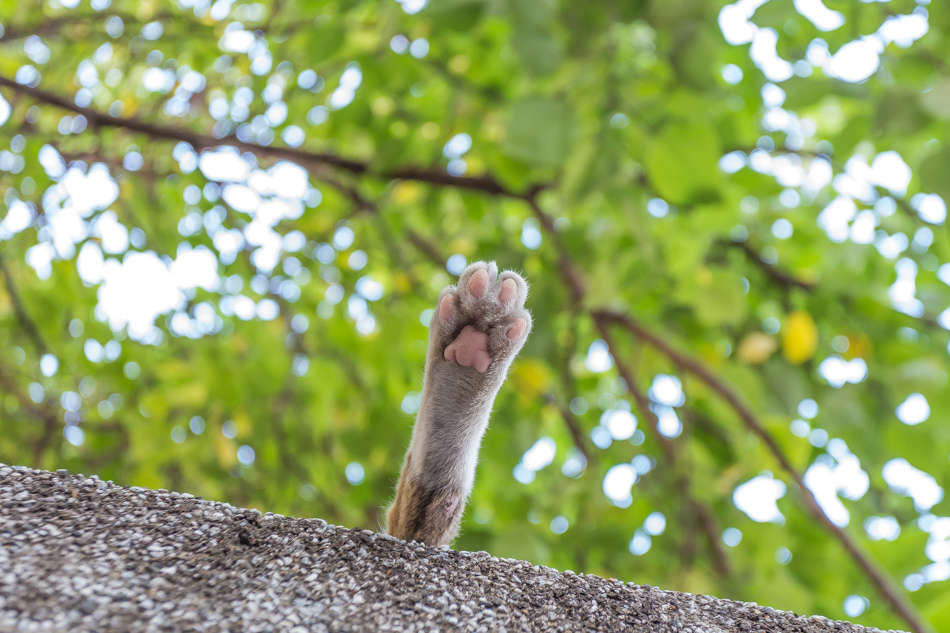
569, 271
21, 314
784, 279
702, 513
485, 184
881, 581
45, 414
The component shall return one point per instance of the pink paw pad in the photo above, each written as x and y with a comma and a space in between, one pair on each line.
508, 290
478, 283
517, 329
470, 348
447, 307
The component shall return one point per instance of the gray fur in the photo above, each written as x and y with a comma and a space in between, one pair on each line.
455, 406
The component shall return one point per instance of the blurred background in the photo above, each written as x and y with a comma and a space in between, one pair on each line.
224, 227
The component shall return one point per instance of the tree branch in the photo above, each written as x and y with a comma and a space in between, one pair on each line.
701, 512
311, 160
49, 419
570, 273
576, 283
776, 274
881, 581
21, 314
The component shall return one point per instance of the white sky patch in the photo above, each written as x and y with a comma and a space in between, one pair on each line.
598, 357
19, 216
855, 180
66, 227
863, 227
285, 179
413, 6
113, 235
93, 190
241, 198
195, 268
943, 319
575, 463
943, 273
891, 246
903, 292
757, 498
158, 80
40, 258
855, 605
890, 171
735, 21
838, 472
904, 479
618, 483
667, 422
90, 263
135, 291
369, 288
838, 371
539, 455
667, 390
904, 30
835, 218
224, 164
654, 524
856, 61
4, 110
350, 80
764, 53
236, 40
620, 423
818, 14
882, 528
457, 146
51, 161
930, 207
937, 548
640, 543
913, 410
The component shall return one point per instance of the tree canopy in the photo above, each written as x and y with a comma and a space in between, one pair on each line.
225, 224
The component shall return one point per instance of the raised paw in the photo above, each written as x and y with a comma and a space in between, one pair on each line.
482, 322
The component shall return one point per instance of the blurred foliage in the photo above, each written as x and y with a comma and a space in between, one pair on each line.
597, 133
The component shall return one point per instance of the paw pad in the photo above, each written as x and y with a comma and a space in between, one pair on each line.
483, 320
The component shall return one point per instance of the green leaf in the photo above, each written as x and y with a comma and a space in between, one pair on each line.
935, 173
540, 132
458, 15
682, 162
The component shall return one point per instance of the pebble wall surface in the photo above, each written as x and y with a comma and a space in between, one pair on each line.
79, 554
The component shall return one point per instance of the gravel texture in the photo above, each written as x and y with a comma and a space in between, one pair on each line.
80, 554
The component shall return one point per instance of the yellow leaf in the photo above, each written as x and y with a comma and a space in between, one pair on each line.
531, 378
225, 452
756, 348
859, 346
800, 337
401, 283
407, 192
192, 394
243, 422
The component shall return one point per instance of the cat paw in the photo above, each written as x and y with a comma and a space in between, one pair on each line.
482, 322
